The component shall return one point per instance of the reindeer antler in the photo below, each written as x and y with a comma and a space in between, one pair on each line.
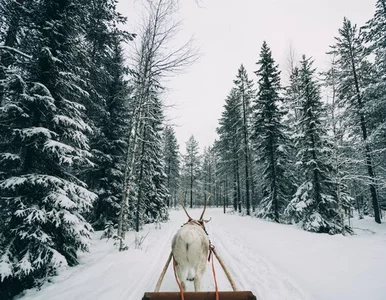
183, 206
206, 201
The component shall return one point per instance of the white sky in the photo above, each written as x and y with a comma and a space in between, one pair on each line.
231, 32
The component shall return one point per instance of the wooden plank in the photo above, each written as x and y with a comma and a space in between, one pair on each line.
228, 295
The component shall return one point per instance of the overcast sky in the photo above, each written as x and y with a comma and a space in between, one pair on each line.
231, 32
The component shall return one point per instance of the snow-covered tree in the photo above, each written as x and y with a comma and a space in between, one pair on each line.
353, 72
246, 93
153, 60
208, 169
42, 200
109, 141
314, 204
229, 145
14, 20
172, 164
191, 170
107, 108
151, 179
375, 93
269, 137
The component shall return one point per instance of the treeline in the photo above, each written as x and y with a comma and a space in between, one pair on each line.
309, 152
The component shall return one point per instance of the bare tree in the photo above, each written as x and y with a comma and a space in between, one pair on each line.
154, 59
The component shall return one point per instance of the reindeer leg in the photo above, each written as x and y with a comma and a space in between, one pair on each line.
180, 275
197, 283
199, 273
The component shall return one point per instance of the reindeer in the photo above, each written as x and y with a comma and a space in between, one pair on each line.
190, 248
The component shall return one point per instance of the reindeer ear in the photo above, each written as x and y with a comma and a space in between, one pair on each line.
206, 221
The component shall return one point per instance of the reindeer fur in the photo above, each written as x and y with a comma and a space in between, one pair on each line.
190, 248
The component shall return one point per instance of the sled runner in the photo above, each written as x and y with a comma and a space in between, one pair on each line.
228, 295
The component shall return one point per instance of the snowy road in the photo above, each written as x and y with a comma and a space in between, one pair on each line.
273, 261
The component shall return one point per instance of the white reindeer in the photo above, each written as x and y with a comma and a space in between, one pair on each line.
190, 249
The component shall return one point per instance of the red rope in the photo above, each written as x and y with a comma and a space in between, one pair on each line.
178, 282
211, 249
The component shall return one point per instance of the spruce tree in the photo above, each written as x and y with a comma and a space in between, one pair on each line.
269, 137
110, 140
152, 192
229, 145
172, 164
192, 163
107, 108
375, 91
14, 21
42, 199
353, 78
207, 172
314, 204
291, 105
246, 93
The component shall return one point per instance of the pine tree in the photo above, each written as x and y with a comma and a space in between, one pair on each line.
107, 108
172, 164
207, 172
152, 194
192, 167
291, 105
42, 199
230, 144
314, 204
15, 19
109, 141
375, 91
342, 156
353, 70
246, 93
269, 137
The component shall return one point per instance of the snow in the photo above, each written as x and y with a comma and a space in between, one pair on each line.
55, 146
5, 267
28, 132
274, 261
25, 264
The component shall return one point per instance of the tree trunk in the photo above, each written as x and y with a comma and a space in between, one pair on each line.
170, 192
234, 187
191, 185
246, 156
238, 186
369, 164
129, 165
252, 181
140, 185
274, 183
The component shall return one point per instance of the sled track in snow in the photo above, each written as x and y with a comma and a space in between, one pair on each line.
135, 291
251, 271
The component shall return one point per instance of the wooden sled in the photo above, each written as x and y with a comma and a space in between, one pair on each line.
222, 295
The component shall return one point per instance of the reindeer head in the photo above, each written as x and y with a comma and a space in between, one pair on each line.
201, 221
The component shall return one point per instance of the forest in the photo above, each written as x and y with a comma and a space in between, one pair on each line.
85, 145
